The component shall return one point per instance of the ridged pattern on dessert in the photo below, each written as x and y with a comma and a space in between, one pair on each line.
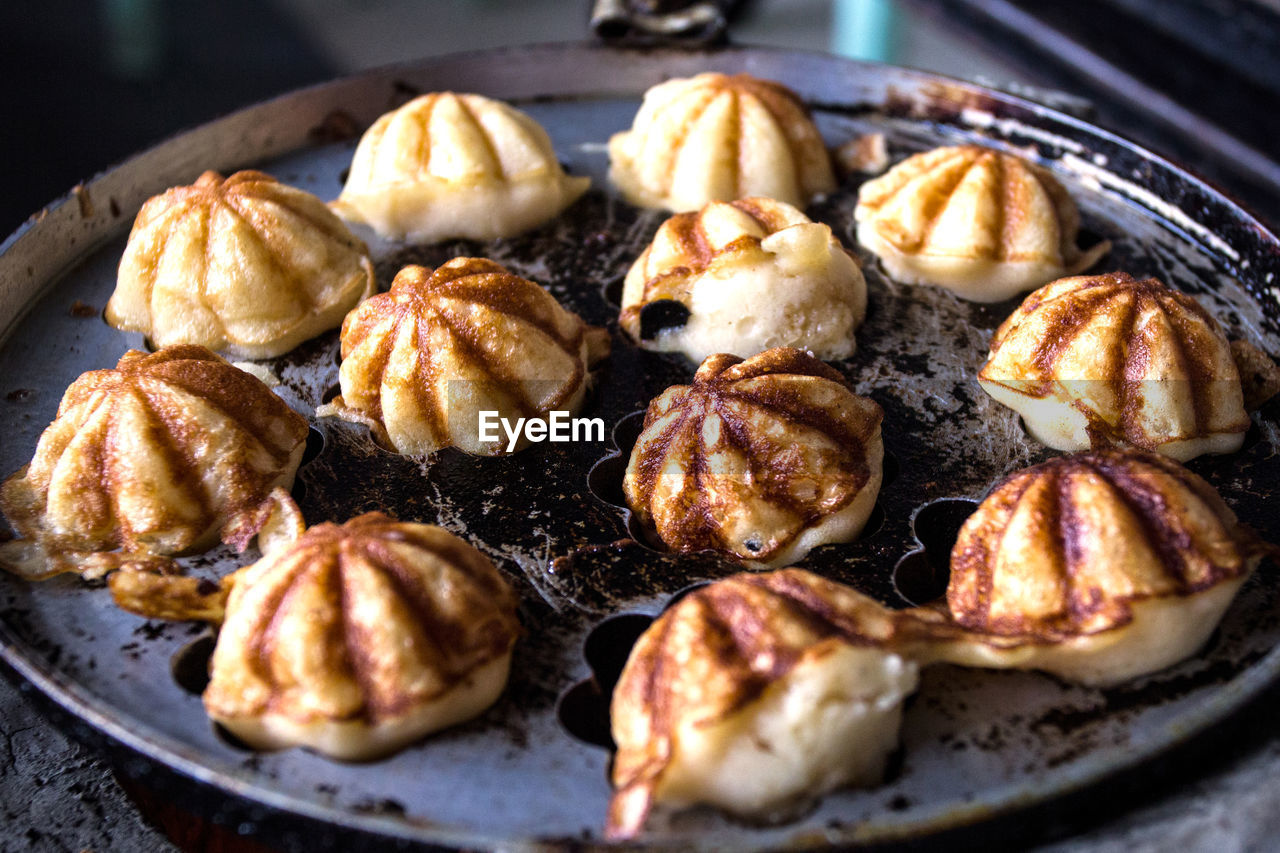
152, 454
243, 262
721, 645
454, 138
774, 442
468, 321
734, 136
972, 202
1124, 341
360, 621
1066, 547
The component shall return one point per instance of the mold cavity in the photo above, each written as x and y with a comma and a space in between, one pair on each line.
922, 575
315, 444
189, 665
605, 480
679, 596
891, 467
231, 740
937, 525
612, 293
661, 314
583, 709
627, 431
753, 544
609, 644
647, 537
918, 580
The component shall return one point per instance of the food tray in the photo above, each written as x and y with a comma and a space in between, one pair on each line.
975, 744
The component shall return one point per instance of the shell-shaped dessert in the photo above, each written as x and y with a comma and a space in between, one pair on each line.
449, 165
756, 694
752, 274
421, 362
716, 137
983, 223
360, 638
1102, 360
1096, 567
760, 460
162, 455
245, 264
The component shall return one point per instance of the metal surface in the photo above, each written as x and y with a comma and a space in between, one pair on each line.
976, 744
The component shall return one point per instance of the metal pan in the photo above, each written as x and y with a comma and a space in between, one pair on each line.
976, 745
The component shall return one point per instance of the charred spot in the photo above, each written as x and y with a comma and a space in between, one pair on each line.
662, 314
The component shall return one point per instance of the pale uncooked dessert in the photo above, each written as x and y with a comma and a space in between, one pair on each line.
759, 460
1095, 361
756, 695
245, 265
165, 454
716, 137
1097, 568
754, 274
449, 165
421, 362
983, 223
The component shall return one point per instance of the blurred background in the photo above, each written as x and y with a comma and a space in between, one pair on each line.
92, 81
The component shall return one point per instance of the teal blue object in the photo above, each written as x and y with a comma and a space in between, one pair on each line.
865, 29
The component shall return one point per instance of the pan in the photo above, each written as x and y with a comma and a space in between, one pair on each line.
532, 772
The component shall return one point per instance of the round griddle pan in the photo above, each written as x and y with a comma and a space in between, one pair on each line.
532, 771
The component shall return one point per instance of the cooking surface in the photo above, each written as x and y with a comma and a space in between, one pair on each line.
973, 741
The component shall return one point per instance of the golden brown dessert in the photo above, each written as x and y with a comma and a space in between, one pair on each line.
755, 695
245, 264
760, 460
421, 362
451, 165
715, 137
754, 274
1103, 360
1097, 568
983, 223
361, 638
354, 640
162, 455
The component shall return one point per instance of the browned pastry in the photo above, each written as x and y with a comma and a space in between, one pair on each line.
162, 455
754, 274
361, 638
455, 165
716, 137
245, 264
1097, 567
759, 460
353, 640
421, 362
983, 223
1102, 360
756, 694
